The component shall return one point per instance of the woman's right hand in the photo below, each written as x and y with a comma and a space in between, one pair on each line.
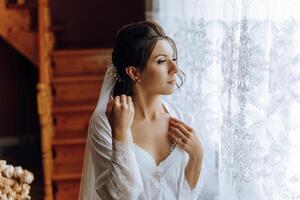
120, 113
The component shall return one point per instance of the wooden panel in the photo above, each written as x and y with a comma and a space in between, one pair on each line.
93, 24
68, 158
81, 62
70, 134
72, 124
67, 190
77, 89
78, 76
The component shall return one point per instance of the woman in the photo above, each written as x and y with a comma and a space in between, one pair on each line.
139, 146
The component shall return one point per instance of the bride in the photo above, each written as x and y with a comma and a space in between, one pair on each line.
140, 146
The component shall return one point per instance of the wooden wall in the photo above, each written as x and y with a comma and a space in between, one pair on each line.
93, 23
18, 78
19, 125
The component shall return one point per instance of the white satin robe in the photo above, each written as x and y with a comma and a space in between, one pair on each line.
127, 172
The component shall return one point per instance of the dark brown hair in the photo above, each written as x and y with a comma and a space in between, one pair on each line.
133, 46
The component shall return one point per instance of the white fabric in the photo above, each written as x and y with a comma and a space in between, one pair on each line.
115, 170
242, 61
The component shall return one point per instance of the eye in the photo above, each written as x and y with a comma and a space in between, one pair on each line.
174, 59
161, 61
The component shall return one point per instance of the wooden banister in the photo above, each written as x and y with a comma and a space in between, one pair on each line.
45, 48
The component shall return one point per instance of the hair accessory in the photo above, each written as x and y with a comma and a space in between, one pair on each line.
116, 74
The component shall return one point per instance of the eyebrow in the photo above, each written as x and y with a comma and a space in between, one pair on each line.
160, 55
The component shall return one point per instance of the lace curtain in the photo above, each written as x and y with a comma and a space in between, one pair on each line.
242, 63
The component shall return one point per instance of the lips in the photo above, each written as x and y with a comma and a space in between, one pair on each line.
172, 82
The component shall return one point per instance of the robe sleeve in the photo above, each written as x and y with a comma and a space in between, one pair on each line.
186, 193
192, 194
116, 169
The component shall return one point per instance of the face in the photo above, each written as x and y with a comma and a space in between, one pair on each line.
161, 68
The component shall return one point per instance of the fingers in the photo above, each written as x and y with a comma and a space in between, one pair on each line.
129, 101
110, 104
172, 119
177, 140
123, 99
117, 100
181, 127
178, 134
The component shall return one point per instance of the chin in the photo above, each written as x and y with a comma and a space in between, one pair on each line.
169, 91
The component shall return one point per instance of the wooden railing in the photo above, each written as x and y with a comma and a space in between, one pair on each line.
45, 48
16, 29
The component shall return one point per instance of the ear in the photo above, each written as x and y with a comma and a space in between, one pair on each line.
133, 72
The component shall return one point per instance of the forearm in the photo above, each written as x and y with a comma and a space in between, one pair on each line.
120, 176
120, 134
193, 170
125, 179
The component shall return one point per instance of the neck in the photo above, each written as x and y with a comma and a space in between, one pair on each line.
147, 108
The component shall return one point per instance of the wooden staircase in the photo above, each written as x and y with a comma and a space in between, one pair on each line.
76, 84
18, 26
68, 90
69, 86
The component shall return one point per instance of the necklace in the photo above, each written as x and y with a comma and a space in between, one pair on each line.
171, 148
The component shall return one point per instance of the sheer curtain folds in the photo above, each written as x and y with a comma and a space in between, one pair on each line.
242, 61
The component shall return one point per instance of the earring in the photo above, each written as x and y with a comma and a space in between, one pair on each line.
137, 80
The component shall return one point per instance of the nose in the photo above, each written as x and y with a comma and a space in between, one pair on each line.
174, 67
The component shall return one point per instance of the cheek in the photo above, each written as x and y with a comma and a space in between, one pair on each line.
155, 79
157, 74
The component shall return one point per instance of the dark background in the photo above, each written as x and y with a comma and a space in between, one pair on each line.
77, 25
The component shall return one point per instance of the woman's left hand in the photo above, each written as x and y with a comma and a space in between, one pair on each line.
186, 137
